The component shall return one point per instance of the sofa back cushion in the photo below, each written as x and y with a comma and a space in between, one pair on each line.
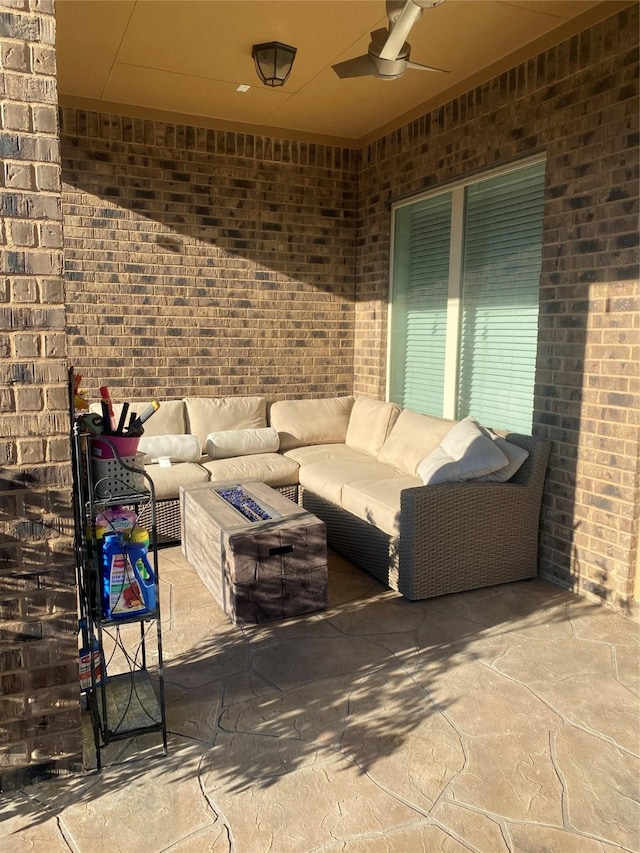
413, 437
302, 422
169, 419
215, 414
370, 423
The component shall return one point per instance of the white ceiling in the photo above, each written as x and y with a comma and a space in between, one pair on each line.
184, 59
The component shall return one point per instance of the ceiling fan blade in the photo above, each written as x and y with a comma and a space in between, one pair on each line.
359, 66
401, 29
419, 67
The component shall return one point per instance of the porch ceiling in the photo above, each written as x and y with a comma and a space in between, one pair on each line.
184, 59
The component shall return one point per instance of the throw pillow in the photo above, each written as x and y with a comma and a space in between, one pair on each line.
465, 453
176, 448
515, 454
241, 442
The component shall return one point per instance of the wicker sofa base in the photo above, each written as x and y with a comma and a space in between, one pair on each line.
168, 516
358, 541
447, 541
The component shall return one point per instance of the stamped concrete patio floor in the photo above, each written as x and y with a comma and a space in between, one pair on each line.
505, 719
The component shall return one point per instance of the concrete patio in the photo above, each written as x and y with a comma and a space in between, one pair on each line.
504, 719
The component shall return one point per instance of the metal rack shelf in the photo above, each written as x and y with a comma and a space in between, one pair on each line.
124, 700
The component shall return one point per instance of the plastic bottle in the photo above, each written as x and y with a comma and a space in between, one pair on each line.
88, 668
117, 518
95, 535
136, 546
137, 535
122, 594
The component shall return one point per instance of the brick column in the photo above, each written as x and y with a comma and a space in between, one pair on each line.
39, 697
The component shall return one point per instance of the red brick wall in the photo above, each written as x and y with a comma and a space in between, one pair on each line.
207, 262
578, 103
39, 694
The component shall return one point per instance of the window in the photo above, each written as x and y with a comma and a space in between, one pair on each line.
464, 307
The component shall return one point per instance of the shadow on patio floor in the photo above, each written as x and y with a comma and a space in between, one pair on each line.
503, 719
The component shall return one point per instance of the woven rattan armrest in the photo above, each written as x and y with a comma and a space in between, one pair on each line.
460, 536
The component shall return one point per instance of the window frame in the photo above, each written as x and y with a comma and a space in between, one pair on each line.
457, 189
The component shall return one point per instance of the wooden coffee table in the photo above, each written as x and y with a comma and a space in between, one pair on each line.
257, 568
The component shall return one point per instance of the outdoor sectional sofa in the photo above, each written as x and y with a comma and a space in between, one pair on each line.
361, 466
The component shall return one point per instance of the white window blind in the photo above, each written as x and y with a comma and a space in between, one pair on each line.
420, 310
497, 284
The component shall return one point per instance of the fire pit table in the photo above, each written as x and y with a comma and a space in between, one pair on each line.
261, 556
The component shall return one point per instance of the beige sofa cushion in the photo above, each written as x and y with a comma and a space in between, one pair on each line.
413, 437
169, 419
301, 422
177, 448
327, 479
214, 414
466, 452
274, 469
167, 481
378, 501
516, 457
323, 453
369, 424
241, 442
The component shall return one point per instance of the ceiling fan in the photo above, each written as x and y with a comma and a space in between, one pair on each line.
388, 54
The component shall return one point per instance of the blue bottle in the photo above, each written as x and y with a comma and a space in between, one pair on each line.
111, 556
122, 594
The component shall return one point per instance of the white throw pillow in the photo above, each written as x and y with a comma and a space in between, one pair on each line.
465, 453
176, 448
515, 454
241, 442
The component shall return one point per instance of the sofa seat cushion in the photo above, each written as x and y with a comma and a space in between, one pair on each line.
327, 479
413, 437
215, 414
314, 421
370, 423
167, 480
378, 501
274, 469
323, 453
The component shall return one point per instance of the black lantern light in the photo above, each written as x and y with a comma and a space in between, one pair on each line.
273, 62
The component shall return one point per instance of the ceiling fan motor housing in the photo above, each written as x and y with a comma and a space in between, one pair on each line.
388, 54
396, 7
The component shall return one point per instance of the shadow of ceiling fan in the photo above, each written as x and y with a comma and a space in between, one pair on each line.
388, 55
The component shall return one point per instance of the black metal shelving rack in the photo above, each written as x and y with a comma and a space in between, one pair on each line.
123, 699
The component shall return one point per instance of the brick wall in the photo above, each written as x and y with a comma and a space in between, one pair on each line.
207, 262
39, 697
210, 262
578, 103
